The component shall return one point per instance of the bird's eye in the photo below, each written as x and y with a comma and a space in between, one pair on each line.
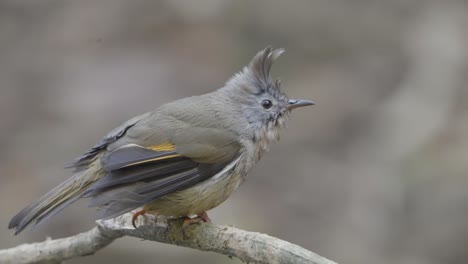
267, 104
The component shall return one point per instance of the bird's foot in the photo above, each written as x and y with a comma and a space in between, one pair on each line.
204, 216
136, 215
201, 217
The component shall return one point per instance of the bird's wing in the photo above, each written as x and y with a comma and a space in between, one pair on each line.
136, 174
84, 160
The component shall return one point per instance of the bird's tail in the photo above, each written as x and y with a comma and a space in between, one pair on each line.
56, 200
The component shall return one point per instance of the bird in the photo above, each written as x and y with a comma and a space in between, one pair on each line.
181, 159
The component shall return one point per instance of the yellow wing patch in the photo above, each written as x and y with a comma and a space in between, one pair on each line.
163, 147
150, 160
159, 148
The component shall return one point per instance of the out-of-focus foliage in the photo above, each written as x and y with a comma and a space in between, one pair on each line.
376, 172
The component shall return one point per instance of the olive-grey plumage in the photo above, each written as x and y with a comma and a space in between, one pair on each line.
184, 158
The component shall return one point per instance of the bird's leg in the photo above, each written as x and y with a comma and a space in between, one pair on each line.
188, 221
204, 216
198, 218
136, 215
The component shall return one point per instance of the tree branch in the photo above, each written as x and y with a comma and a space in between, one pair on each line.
230, 241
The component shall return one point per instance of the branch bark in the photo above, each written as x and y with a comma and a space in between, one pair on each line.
227, 240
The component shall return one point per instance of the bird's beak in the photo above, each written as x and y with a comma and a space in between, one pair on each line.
294, 103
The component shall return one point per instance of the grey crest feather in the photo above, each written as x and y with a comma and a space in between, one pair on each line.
261, 64
255, 77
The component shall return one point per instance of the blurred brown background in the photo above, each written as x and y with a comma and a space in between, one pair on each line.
376, 172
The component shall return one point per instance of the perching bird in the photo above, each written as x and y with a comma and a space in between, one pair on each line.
180, 160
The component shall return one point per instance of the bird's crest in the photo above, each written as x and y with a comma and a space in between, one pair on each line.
255, 77
260, 66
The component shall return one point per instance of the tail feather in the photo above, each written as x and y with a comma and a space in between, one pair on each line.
54, 201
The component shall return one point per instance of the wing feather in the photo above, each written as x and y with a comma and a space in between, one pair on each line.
142, 173
125, 198
132, 154
138, 175
82, 162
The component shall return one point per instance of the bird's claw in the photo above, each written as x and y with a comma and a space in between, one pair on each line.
202, 217
135, 217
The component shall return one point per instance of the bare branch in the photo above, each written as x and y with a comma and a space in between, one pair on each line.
230, 241
54, 251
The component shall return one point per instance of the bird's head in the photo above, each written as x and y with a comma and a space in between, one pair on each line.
259, 99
